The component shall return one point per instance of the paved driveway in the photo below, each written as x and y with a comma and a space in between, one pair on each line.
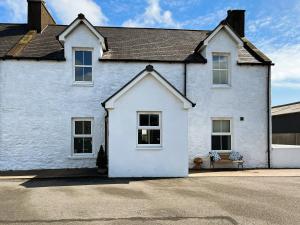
196, 200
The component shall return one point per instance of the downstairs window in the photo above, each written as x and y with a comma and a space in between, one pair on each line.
221, 134
149, 129
82, 136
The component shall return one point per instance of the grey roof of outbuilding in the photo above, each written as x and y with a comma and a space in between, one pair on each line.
124, 44
286, 109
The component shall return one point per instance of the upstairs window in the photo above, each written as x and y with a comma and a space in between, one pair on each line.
220, 69
221, 134
149, 129
83, 66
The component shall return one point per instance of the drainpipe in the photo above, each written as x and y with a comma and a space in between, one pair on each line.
269, 114
105, 132
184, 79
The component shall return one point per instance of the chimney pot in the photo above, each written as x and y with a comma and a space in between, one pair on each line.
236, 19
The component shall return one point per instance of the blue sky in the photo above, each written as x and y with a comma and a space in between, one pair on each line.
272, 25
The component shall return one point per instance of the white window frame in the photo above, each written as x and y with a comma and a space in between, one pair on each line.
83, 155
228, 70
222, 133
152, 146
83, 83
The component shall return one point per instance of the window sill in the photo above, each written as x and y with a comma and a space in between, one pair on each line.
222, 151
221, 86
83, 84
89, 156
149, 148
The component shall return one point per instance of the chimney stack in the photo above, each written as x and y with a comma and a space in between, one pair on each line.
236, 19
38, 15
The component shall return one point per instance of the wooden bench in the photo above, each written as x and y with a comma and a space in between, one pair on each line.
225, 159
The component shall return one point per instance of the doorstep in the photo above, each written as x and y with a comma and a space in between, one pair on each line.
51, 173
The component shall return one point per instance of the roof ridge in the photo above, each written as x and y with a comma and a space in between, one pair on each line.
145, 28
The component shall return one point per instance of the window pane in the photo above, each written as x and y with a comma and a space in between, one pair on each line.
88, 58
148, 136
88, 146
215, 142
154, 136
223, 77
87, 127
226, 126
154, 120
223, 62
78, 57
78, 127
226, 142
78, 73
78, 145
143, 136
144, 120
216, 126
88, 74
216, 76
215, 62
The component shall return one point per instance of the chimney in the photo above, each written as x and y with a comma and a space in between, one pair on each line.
38, 15
236, 19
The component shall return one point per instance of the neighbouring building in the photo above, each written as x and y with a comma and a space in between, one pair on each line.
286, 124
154, 98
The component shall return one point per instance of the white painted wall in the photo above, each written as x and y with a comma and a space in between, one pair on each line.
38, 100
285, 156
126, 159
246, 97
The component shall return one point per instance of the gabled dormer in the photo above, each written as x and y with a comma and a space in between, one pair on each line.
81, 20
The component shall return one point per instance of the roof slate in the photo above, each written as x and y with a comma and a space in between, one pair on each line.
10, 34
124, 44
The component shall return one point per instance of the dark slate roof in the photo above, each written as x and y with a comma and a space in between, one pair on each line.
286, 109
124, 44
152, 44
10, 34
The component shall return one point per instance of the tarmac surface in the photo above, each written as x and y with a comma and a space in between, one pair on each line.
194, 200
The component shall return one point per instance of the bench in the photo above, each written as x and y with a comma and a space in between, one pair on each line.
225, 159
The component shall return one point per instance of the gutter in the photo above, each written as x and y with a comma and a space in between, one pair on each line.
269, 114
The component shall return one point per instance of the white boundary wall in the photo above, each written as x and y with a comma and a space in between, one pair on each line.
285, 156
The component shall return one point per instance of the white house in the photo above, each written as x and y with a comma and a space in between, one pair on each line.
154, 98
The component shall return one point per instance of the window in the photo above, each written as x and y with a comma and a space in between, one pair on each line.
220, 69
82, 136
221, 135
149, 129
83, 66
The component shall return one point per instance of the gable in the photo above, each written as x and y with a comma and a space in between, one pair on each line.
82, 21
221, 29
148, 71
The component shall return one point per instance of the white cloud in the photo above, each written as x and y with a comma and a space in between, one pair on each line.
153, 16
210, 20
286, 72
67, 10
287, 60
15, 10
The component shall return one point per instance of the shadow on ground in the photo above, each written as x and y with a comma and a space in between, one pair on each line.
76, 181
